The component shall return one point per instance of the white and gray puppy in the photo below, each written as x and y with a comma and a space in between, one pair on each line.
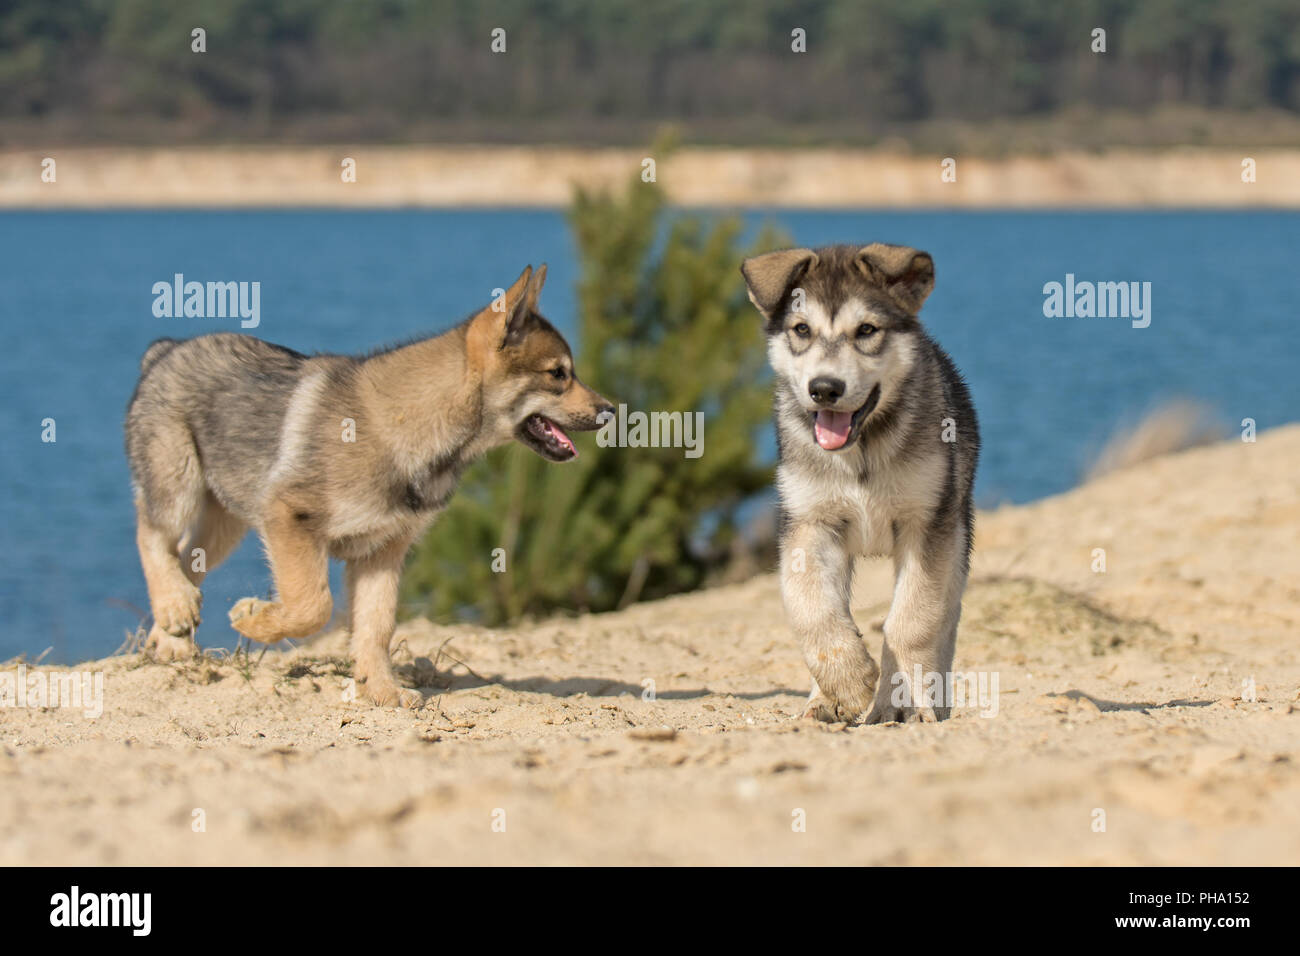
878, 444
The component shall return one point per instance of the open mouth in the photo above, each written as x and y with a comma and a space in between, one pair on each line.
546, 438
836, 431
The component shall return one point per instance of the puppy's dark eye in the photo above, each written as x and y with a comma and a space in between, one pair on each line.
802, 330
559, 373
866, 330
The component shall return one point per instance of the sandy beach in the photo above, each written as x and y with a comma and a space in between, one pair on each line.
540, 176
1159, 697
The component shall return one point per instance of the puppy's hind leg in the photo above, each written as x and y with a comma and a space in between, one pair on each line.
816, 578
372, 611
162, 516
218, 533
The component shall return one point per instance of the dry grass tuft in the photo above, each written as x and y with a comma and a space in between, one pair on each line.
1172, 427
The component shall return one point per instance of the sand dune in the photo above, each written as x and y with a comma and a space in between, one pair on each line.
1127, 692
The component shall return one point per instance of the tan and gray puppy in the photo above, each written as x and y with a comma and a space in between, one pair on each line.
331, 456
878, 445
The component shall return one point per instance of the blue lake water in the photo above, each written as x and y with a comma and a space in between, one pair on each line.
75, 290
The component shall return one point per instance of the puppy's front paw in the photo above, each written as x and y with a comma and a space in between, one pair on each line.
388, 694
246, 608
167, 647
252, 617
889, 713
828, 711
902, 715
177, 611
844, 692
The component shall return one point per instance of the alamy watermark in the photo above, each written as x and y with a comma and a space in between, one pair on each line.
208, 300
652, 430
952, 689
1102, 300
132, 911
82, 690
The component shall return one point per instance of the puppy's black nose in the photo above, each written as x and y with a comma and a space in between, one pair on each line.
826, 391
605, 409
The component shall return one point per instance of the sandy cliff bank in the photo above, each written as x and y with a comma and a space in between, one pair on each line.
544, 177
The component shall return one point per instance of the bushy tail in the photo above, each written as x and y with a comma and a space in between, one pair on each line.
154, 352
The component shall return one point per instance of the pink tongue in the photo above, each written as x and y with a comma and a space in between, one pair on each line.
832, 429
559, 435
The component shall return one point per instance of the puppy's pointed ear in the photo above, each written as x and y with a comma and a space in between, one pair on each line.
906, 274
512, 294
534, 288
514, 308
770, 276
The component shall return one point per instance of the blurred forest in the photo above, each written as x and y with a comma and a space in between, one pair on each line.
613, 71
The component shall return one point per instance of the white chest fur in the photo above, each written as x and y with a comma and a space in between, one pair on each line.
831, 489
